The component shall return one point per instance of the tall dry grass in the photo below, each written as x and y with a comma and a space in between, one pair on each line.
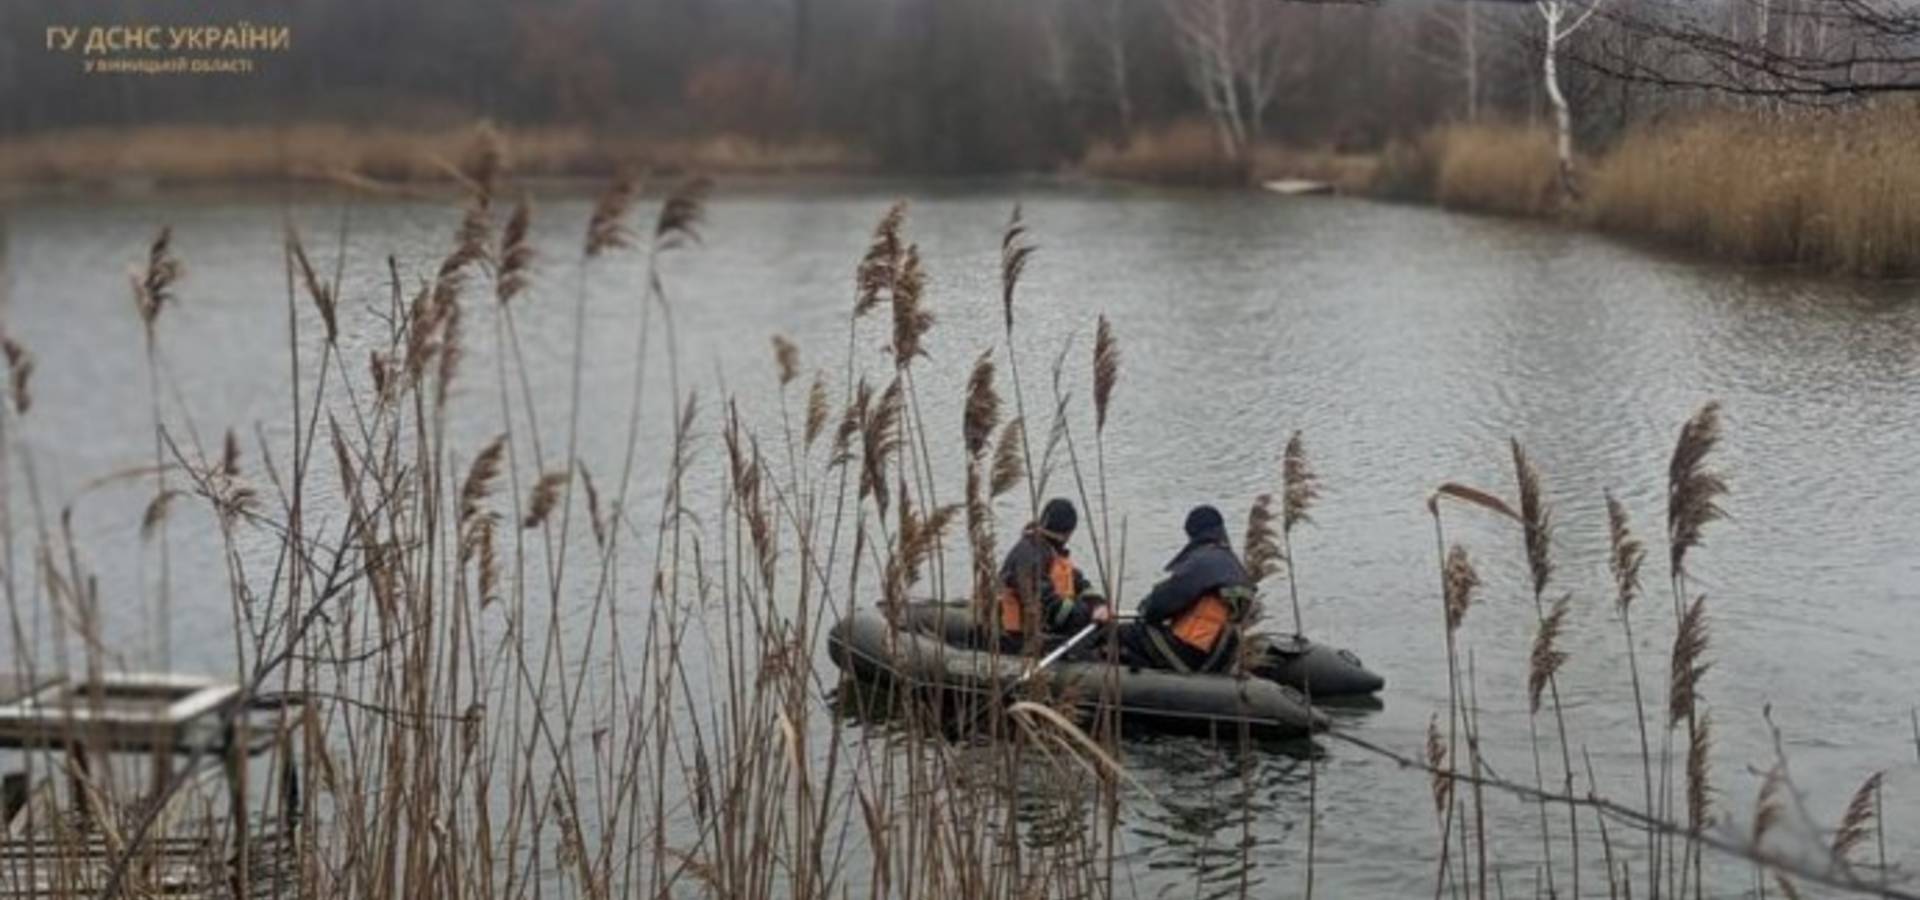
1831, 190
1183, 152
1500, 168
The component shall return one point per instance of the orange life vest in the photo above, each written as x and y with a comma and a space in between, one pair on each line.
1200, 626
1012, 611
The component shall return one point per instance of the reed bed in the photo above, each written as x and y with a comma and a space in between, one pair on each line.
1183, 152
513, 682
1828, 190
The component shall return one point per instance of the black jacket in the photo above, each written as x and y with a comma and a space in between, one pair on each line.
1026, 572
1206, 565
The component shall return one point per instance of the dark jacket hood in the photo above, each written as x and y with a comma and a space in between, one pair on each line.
1211, 537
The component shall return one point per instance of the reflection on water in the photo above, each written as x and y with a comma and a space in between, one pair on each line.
1408, 345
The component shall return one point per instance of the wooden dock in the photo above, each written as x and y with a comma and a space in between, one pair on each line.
188, 729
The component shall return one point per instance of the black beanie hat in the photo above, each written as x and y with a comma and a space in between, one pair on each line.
1203, 520
1059, 516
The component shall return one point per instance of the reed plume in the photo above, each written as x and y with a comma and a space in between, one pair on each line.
851, 421
153, 287
816, 409
1300, 487
318, 291
786, 359
1301, 483
480, 477
1547, 657
1625, 556
545, 498
1699, 791
19, 372
982, 413
1689, 662
607, 228
1536, 520
911, 318
980, 536
1014, 253
875, 277
1106, 371
1859, 821
1693, 492
680, 216
879, 439
920, 535
1008, 468
514, 260
1459, 580
1262, 554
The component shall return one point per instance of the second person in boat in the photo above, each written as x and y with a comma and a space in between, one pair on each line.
1042, 593
1191, 620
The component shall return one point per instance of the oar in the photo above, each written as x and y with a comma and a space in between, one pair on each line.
1058, 652
1037, 668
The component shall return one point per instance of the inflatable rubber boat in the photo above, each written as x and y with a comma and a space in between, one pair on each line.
930, 650
1317, 670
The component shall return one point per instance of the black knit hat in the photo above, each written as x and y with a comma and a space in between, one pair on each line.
1059, 516
1203, 520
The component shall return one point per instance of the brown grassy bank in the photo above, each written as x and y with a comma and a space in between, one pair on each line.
1837, 192
197, 154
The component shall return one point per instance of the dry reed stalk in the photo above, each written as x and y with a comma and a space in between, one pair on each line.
1536, 521
1015, 254
1300, 488
1624, 559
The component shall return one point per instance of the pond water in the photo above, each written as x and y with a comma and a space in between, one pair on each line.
1406, 344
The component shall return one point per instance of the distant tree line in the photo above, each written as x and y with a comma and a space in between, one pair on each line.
970, 85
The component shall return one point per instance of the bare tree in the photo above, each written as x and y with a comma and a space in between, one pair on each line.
1560, 19
1802, 51
1233, 59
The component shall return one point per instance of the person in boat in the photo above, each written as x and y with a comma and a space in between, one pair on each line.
1191, 620
1042, 593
